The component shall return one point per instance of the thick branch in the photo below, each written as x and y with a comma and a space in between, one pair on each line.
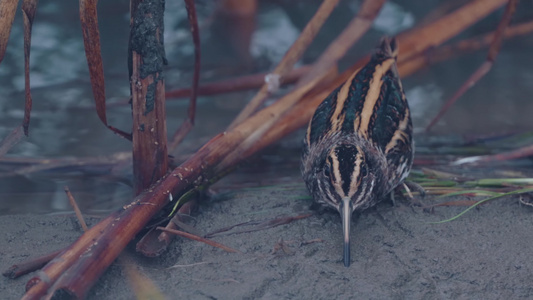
147, 81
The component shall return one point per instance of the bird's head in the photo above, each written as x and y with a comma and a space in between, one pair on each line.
346, 182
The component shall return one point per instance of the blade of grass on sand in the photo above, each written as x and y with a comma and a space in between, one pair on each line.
501, 182
199, 239
257, 225
439, 174
155, 242
517, 192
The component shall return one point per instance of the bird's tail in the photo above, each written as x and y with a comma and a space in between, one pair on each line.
388, 48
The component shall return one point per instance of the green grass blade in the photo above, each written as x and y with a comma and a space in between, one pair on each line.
517, 192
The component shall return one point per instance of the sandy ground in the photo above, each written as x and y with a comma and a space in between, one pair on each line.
396, 252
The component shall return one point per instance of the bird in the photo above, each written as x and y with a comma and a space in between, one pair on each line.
358, 146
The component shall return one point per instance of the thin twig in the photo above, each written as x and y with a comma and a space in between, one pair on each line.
188, 265
31, 265
198, 239
77, 210
258, 225
485, 67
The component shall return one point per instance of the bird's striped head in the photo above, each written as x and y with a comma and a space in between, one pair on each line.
345, 174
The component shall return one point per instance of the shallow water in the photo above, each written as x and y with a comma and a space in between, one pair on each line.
60, 128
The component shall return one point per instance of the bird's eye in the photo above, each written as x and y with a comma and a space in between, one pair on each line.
364, 170
326, 171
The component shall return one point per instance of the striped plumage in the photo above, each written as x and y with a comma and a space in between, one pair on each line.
359, 145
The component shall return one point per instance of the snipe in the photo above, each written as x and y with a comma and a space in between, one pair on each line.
359, 145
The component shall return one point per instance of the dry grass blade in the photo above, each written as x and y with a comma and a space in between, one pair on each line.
7, 15
28, 13
502, 27
199, 239
290, 58
122, 134
522, 152
15, 271
485, 67
478, 203
187, 125
91, 40
337, 49
453, 203
154, 243
77, 210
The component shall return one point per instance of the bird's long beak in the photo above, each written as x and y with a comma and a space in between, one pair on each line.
345, 210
